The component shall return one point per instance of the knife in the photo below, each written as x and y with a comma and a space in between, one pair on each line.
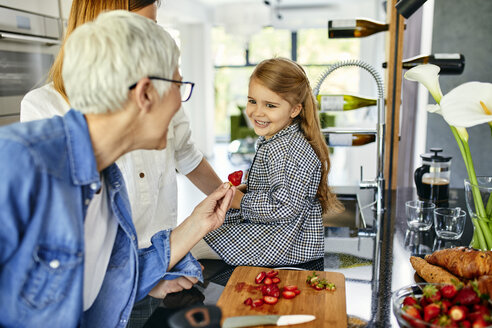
258, 320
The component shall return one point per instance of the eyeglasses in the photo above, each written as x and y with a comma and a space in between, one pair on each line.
185, 88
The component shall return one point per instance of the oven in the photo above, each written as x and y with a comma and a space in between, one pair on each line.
29, 43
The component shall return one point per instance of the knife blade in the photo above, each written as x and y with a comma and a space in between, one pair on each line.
257, 320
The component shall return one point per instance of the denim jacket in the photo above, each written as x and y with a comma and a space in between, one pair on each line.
48, 177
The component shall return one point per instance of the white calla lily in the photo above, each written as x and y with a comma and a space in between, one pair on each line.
428, 75
465, 106
468, 105
434, 109
462, 133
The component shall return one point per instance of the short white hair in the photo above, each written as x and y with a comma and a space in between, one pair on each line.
104, 57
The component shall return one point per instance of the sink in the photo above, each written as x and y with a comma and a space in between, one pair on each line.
343, 230
349, 218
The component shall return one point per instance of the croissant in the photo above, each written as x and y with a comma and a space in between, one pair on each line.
431, 273
463, 262
485, 284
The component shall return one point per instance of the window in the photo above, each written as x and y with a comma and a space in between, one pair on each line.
269, 43
310, 47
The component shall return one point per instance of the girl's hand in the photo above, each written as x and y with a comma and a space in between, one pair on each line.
242, 188
165, 287
212, 210
238, 196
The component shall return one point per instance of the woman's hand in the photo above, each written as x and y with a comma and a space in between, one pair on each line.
212, 210
207, 216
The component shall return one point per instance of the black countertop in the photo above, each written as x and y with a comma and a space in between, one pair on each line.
405, 243
372, 271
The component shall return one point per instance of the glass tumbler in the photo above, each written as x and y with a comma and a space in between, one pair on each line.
449, 223
419, 214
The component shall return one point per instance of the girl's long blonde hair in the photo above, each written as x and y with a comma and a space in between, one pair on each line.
288, 79
83, 11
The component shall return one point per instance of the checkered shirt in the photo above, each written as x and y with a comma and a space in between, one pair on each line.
279, 222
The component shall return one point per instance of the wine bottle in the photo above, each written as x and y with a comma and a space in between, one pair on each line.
347, 139
449, 63
326, 120
338, 103
354, 28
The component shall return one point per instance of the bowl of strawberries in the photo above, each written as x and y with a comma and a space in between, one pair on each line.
442, 305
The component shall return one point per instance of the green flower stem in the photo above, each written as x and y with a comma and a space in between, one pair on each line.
488, 208
482, 230
474, 242
477, 197
478, 236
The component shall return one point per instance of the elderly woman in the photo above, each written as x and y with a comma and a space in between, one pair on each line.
68, 248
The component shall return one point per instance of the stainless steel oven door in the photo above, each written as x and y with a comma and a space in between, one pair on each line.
28, 46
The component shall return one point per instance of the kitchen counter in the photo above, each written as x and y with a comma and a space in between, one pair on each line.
372, 271
403, 243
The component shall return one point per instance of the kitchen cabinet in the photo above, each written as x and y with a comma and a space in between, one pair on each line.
45, 7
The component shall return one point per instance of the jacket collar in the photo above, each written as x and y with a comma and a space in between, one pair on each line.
294, 127
83, 167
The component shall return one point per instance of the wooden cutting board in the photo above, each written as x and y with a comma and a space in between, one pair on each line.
328, 307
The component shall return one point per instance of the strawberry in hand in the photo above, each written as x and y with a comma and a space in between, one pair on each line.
235, 178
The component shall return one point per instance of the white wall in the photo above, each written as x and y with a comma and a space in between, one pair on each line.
193, 21
197, 66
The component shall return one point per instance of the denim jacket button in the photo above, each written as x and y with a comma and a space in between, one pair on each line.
87, 201
54, 264
93, 186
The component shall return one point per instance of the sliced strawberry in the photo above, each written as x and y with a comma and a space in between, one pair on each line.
448, 291
290, 287
248, 301
431, 311
272, 273
235, 178
260, 276
275, 293
268, 281
257, 303
288, 294
270, 290
465, 324
275, 280
270, 299
458, 312
297, 291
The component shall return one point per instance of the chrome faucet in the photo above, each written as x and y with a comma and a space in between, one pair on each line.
378, 182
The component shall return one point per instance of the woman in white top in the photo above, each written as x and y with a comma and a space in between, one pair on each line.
150, 176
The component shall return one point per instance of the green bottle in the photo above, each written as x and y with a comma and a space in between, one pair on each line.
338, 103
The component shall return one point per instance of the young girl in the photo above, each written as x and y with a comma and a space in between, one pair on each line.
278, 218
